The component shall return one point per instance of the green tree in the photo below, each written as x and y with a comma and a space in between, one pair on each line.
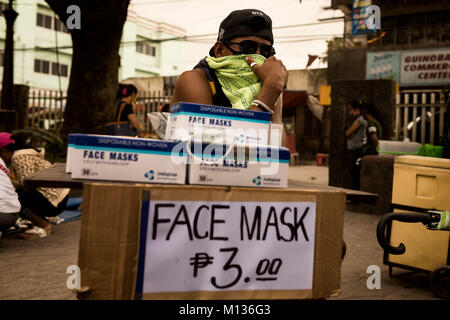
332, 44
93, 79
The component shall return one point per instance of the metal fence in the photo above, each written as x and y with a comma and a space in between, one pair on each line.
150, 101
419, 115
46, 108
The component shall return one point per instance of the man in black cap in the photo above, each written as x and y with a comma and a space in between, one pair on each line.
242, 33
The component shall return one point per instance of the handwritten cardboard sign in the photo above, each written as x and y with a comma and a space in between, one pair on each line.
117, 226
189, 246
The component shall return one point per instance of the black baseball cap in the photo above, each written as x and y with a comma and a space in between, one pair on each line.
246, 22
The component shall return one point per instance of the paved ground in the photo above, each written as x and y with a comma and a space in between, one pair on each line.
36, 269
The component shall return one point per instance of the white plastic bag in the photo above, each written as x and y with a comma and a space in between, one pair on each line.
158, 121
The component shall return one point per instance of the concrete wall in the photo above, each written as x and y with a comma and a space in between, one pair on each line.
346, 64
309, 145
147, 84
377, 174
309, 80
173, 57
379, 92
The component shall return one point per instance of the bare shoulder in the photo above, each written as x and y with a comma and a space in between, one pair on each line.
192, 75
192, 86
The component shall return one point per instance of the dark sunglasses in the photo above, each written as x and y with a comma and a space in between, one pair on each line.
250, 47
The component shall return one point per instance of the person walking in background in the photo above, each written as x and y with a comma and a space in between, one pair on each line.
355, 140
373, 130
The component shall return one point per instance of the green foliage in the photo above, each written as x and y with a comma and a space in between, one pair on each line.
333, 44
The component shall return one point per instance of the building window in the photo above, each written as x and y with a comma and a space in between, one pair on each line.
42, 66
47, 22
419, 28
2, 57
62, 69
139, 47
146, 49
59, 25
50, 22
44, 21
40, 20
150, 50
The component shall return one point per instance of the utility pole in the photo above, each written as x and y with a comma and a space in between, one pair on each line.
7, 120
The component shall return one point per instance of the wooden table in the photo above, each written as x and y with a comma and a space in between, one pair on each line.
110, 232
56, 177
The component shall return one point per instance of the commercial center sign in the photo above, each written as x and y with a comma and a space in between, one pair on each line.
425, 67
410, 68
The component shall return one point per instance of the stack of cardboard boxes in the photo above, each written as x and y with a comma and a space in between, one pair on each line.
139, 241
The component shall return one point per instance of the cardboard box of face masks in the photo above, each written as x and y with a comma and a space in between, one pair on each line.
127, 159
261, 166
71, 147
217, 124
111, 237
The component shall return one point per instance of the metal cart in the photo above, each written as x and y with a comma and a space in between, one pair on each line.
433, 220
413, 235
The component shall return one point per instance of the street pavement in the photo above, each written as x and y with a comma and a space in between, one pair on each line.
36, 269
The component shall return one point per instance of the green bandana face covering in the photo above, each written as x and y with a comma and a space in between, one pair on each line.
239, 84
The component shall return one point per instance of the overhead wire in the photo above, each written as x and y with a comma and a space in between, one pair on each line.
293, 38
199, 38
58, 66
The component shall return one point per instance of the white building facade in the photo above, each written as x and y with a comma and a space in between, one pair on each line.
43, 47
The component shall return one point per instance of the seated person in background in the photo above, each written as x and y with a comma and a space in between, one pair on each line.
355, 140
42, 202
373, 130
9, 200
241, 71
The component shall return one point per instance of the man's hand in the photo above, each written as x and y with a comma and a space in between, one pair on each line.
274, 76
272, 73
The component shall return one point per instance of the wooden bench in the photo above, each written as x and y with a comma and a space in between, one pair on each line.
56, 177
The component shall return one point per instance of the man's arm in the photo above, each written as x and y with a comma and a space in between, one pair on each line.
355, 125
192, 86
374, 140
